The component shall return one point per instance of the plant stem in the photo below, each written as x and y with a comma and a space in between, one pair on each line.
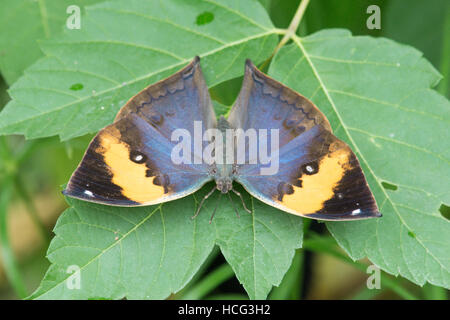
199, 274
293, 26
12, 163
290, 31
326, 246
32, 210
432, 292
291, 286
365, 294
6, 157
12, 272
209, 283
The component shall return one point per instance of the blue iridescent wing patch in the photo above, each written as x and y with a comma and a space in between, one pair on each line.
318, 174
129, 162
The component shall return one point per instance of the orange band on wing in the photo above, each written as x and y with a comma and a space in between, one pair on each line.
318, 188
128, 175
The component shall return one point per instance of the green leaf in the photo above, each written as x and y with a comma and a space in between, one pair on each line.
150, 252
376, 94
145, 252
74, 83
258, 246
4, 98
220, 109
22, 24
123, 47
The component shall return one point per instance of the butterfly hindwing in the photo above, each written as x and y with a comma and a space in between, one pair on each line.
318, 175
129, 162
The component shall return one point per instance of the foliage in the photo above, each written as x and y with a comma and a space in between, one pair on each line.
376, 93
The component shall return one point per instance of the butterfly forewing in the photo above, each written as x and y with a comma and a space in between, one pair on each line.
318, 175
129, 162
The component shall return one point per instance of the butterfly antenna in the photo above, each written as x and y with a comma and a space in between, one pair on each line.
232, 203
242, 200
214, 212
201, 202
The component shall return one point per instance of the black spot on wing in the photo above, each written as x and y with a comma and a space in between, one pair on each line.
284, 188
163, 181
137, 157
310, 168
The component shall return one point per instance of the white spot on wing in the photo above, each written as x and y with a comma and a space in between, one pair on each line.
88, 193
355, 212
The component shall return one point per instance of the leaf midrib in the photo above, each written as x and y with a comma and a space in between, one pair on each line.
119, 241
176, 25
148, 75
297, 41
44, 17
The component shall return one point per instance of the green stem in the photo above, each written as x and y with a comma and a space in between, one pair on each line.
6, 157
432, 292
12, 272
32, 210
327, 245
31, 146
209, 283
12, 162
293, 26
212, 256
291, 286
290, 31
365, 294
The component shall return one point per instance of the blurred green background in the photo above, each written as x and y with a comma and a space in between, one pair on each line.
40, 167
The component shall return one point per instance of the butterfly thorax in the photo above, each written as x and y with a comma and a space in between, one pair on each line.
224, 173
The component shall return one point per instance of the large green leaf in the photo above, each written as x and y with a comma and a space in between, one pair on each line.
122, 47
376, 94
150, 252
153, 251
22, 24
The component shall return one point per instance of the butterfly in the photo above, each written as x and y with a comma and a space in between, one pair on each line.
130, 162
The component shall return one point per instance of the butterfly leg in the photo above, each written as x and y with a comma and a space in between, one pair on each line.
242, 199
201, 203
214, 212
232, 203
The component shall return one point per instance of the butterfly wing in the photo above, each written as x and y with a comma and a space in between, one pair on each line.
129, 162
318, 175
